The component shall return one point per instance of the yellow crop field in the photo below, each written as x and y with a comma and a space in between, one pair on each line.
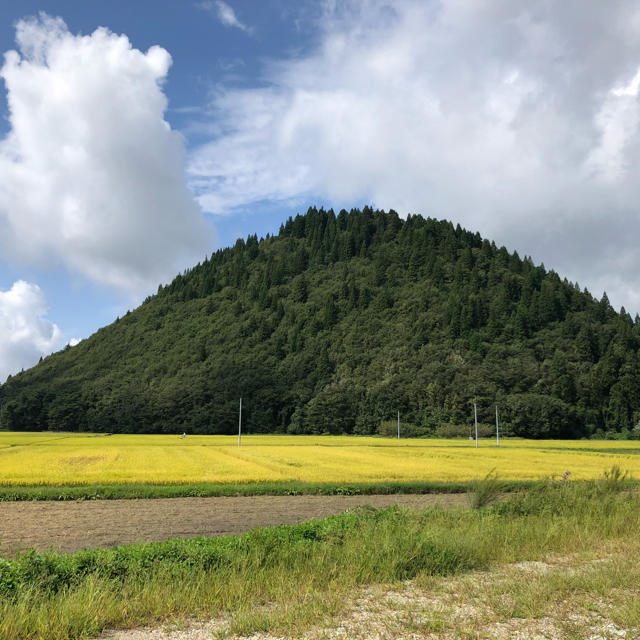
84, 459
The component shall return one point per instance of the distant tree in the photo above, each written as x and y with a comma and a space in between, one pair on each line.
539, 416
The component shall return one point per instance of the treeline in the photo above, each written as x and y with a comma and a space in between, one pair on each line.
334, 325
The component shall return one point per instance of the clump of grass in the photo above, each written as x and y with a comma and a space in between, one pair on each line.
487, 490
615, 479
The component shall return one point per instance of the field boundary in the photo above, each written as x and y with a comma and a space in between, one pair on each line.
135, 491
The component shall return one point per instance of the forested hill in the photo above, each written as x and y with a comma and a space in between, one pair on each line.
337, 323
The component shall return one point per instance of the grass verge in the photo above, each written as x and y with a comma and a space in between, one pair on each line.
287, 578
582, 595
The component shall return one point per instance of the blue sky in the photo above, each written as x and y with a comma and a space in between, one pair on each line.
144, 135
205, 53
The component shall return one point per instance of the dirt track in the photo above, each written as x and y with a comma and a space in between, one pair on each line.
70, 526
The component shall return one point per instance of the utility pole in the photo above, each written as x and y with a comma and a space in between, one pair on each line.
398, 425
475, 418
497, 429
240, 422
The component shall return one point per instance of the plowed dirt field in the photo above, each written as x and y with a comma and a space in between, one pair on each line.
71, 526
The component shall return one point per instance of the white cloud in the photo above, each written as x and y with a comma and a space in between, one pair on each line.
225, 14
25, 333
520, 119
92, 174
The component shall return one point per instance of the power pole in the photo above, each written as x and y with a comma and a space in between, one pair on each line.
475, 418
240, 422
398, 425
497, 429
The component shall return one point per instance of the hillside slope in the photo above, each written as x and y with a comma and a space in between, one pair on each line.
337, 323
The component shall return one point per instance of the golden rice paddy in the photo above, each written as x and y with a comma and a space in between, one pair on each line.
83, 459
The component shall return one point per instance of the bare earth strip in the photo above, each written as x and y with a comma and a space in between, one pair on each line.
71, 526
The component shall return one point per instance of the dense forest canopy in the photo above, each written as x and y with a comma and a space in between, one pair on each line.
334, 325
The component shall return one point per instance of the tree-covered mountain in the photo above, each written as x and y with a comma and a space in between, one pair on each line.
333, 326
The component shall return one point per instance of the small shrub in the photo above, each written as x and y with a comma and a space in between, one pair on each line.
346, 491
389, 429
8, 580
449, 430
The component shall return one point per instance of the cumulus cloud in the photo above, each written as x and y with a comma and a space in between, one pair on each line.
225, 14
25, 333
520, 119
92, 174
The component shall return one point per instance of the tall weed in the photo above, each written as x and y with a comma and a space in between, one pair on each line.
615, 479
487, 490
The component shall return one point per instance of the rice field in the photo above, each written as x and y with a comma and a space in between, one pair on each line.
85, 459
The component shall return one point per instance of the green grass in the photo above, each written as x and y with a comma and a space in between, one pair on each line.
491, 486
287, 578
136, 491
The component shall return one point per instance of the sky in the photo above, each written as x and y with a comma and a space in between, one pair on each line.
136, 138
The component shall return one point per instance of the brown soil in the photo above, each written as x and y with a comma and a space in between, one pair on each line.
71, 526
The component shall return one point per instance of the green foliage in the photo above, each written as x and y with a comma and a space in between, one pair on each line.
611, 492
540, 416
389, 429
448, 430
335, 324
